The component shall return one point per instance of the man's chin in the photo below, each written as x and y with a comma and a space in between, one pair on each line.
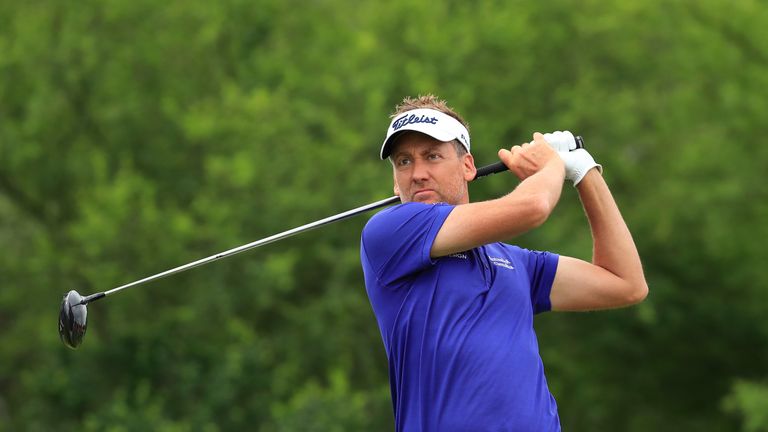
428, 197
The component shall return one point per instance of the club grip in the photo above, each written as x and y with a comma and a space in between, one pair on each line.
491, 169
500, 167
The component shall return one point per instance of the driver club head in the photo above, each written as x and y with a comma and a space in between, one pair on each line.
72, 319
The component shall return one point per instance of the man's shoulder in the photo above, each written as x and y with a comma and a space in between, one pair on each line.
400, 212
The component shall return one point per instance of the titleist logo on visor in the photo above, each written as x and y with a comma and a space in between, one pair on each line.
411, 119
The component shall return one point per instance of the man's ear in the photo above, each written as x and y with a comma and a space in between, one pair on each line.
395, 188
470, 171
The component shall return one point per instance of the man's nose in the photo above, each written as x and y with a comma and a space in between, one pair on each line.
420, 171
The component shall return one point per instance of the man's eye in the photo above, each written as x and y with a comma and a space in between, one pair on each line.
433, 156
403, 162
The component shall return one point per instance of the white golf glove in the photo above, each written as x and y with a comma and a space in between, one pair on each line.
577, 161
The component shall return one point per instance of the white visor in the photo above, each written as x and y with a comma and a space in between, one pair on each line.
436, 124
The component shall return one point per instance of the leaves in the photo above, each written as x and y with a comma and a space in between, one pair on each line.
136, 136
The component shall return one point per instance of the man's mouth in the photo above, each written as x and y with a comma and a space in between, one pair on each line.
422, 193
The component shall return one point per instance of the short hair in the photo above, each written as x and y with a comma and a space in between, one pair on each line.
432, 102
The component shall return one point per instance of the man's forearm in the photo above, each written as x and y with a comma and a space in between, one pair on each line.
547, 183
613, 247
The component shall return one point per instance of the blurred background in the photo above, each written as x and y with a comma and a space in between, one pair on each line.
138, 135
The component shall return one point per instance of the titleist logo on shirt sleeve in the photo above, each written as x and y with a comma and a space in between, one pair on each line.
411, 119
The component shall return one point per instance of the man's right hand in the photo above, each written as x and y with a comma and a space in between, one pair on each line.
529, 158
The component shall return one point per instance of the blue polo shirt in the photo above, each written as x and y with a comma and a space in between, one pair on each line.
458, 330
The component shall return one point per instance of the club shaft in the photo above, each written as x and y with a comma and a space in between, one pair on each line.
262, 242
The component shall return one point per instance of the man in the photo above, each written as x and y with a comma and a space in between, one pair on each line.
454, 305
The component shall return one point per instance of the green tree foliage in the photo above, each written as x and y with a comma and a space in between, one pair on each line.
749, 400
136, 136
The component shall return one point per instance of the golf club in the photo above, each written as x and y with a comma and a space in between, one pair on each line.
73, 313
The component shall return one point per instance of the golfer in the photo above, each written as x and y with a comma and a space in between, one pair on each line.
454, 304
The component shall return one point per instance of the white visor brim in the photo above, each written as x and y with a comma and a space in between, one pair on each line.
436, 124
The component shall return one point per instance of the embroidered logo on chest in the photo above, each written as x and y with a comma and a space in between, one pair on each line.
501, 262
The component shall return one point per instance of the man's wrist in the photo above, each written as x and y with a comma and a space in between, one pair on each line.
589, 177
577, 164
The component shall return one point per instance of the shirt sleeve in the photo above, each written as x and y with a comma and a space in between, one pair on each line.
398, 240
542, 267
